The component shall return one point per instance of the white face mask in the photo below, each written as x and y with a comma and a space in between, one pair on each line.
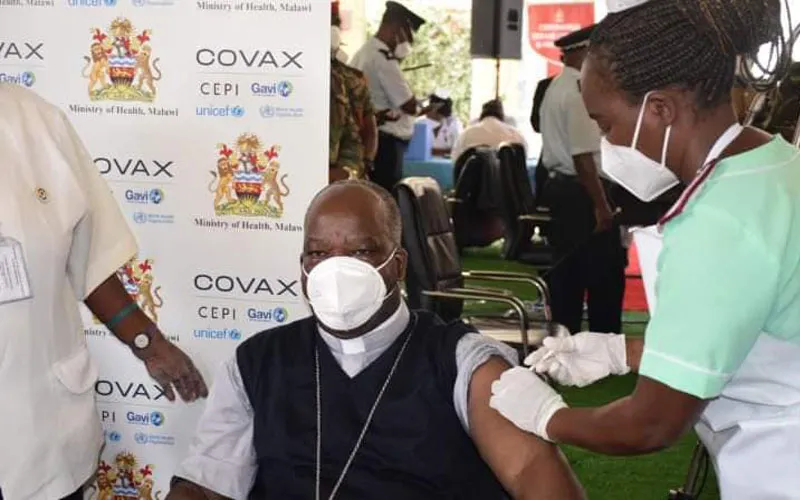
647, 179
402, 50
346, 292
336, 39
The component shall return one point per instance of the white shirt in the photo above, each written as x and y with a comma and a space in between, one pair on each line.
567, 129
489, 132
73, 237
449, 130
387, 85
222, 456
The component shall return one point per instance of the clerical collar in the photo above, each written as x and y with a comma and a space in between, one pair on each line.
374, 341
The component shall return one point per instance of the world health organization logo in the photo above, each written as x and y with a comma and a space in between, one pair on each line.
119, 66
247, 180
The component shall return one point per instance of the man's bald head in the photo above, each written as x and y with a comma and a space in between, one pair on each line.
362, 197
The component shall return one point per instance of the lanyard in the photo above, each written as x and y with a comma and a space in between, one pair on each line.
366, 423
725, 140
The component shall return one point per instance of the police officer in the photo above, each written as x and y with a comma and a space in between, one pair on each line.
392, 97
587, 242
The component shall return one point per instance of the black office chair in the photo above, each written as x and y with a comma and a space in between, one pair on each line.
474, 202
435, 279
527, 225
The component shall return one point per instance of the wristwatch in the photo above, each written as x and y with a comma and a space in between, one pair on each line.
143, 339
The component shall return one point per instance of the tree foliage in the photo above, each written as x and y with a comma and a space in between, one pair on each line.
443, 41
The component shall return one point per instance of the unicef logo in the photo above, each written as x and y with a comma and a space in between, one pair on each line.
235, 334
157, 418
280, 314
110, 3
285, 89
140, 438
237, 111
27, 79
156, 196
114, 436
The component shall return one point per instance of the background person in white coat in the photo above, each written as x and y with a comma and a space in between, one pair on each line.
722, 347
62, 239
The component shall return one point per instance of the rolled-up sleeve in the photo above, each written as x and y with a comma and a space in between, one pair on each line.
222, 457
472, 352
102, 241
715, 289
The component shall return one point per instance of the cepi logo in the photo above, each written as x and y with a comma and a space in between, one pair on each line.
276, 89
220, 111
154, 418
25, 79
144, 196
221, 334
277, 315
92, 3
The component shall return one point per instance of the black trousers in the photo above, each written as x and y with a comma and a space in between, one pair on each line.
389, 161
78, 495
586, 262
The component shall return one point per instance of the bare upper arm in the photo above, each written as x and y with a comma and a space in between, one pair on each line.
528, 467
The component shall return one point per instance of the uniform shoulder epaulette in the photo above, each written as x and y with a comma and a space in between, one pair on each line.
388, 55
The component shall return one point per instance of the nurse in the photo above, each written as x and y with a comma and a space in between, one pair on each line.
722, 350
62, 239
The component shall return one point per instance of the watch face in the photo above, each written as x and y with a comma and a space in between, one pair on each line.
141, 341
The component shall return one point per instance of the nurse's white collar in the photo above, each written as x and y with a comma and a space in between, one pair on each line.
380, 337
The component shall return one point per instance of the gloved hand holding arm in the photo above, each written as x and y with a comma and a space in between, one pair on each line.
633, 425
585, 358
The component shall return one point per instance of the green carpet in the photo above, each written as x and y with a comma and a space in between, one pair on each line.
605, 478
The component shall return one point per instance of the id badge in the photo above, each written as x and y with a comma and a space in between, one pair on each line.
14, 279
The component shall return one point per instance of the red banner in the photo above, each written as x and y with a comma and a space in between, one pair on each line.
549, 22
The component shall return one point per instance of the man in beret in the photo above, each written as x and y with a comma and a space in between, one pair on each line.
397, 108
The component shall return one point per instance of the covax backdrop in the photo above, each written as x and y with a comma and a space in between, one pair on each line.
209, 121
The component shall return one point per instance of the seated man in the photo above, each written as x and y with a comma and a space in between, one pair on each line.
365, 399
491, 130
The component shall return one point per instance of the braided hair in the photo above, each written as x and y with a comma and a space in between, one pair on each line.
689, 44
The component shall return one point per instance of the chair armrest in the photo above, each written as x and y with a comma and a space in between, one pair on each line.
511, 277
535, 218
471, 294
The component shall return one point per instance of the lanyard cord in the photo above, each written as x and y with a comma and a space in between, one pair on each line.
366, 423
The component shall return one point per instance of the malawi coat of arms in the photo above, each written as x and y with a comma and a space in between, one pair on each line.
119, 66
137, 277
124, 479
247, 181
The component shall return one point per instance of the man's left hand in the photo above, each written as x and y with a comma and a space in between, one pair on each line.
526, 400
172, 368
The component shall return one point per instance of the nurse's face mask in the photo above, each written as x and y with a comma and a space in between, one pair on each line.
646, 178
346, 292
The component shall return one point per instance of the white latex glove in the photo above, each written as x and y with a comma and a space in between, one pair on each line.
526, 400
581, 359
